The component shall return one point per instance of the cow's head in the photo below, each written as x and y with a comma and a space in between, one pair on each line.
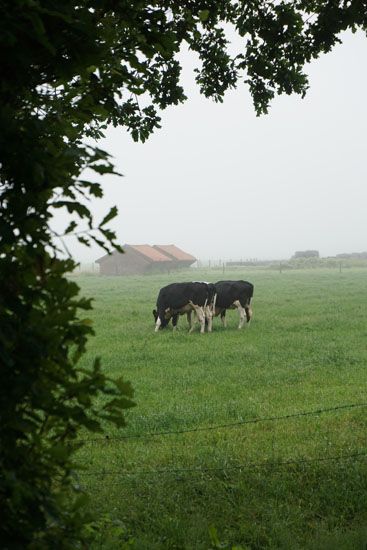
164, 321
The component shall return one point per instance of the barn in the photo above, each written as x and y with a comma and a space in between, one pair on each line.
144, 259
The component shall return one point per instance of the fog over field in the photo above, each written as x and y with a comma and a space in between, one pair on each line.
221, 183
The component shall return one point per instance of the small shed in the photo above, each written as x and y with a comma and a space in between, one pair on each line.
142, 259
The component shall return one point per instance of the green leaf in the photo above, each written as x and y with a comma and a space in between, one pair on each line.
111, 214
203, 15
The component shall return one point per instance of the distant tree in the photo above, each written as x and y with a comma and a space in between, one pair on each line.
306, 254
68, 69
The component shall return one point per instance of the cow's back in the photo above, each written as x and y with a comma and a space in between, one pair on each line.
173, 296
177, 295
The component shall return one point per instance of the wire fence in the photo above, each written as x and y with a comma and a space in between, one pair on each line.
268, 464
219, 265
197, 473
112, 438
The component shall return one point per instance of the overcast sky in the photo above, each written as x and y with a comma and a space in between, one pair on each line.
221, 183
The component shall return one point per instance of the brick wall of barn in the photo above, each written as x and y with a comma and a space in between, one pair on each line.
129, 263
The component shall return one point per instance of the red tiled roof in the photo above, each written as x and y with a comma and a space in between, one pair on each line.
175, 252
149, 252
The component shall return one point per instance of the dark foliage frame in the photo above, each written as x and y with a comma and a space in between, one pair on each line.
69, 69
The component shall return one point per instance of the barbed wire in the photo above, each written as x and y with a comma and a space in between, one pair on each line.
108, 438
238, 467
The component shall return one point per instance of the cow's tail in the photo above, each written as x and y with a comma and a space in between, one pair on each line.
214, 302
248, 308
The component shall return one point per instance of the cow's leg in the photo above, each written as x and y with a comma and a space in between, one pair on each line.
200, 315
241, 311
248, 311
246, 304
191, 319
194, 319
174, 320
223, 318
201, 318
192, 324
188, 316
209, 317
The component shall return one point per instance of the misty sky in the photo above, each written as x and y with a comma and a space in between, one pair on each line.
221, 183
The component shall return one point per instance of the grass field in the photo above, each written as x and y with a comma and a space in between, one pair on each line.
278, 483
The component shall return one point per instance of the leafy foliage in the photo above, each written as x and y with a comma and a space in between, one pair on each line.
68, 70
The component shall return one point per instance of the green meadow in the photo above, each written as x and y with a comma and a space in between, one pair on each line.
241, 466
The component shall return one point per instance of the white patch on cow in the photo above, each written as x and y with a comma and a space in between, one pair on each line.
241, 311
210, 313
157, 324
214, 302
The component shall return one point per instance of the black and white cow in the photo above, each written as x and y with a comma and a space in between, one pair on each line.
179, 298
234, 295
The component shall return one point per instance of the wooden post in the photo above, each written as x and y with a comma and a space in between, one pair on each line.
280, 267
